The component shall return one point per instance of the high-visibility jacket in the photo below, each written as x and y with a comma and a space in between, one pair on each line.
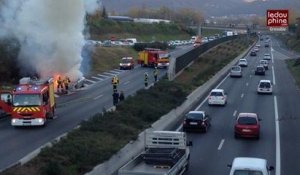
115, 80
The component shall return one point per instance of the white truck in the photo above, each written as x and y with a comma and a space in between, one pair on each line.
166, 153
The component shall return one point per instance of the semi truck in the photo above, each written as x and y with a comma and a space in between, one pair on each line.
166, 153
151, 57
33, 102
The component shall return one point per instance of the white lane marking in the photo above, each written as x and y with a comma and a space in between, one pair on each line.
250, 76
56, 96
99, 96
198, 107
273, 72
272, 50
97, 78
90, 80
179, 128
242, 95
127, 82
247, 84
278, 156
105, 76
108, 73
221, 144
234, 113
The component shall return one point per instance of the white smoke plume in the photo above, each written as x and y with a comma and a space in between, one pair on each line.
49, 31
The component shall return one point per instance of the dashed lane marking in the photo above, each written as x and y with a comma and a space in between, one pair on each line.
99, 96
221, 144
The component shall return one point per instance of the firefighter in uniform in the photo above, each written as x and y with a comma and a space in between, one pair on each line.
59, 84
66, 82
146, 79
115, 97
155, 74
115, 82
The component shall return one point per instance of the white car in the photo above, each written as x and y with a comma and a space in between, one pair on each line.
243, 63
217, 97
250, 165
236, 71
265, 87
267, 56
264, 63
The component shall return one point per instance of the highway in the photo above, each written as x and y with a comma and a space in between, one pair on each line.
279, 142
71, 110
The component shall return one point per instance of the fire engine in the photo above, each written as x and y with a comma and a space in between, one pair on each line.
33, 102
5, 99
154, 58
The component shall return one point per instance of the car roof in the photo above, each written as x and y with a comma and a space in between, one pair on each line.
196, 112
217, 90
265, 81
244, 114
249, 163
243, 59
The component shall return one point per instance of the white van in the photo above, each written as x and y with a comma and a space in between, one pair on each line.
250, 165
265, 87
131, 41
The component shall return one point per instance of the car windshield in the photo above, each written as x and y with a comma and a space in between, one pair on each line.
27, 100
197, 116
216, 94
125, 60
242, 60
247, 121
247, 172
264, 85
235, 68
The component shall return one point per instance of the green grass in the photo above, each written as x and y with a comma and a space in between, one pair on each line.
294, 67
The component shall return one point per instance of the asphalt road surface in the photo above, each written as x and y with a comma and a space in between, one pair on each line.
71, 110
279, 141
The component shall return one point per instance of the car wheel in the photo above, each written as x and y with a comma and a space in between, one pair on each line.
257, 137
236, 136
205, 129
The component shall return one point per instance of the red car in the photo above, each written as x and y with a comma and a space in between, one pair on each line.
247, 125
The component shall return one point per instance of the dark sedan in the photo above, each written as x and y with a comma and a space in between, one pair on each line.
260, 70
196, 121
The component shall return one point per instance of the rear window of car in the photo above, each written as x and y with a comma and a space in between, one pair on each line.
264, 85
247, 172
198, 116
216, 94
247, 121
260, 68
235, 68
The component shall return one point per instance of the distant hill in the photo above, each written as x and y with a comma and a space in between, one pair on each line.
207, 7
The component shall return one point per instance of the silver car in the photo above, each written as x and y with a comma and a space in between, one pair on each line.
236, 71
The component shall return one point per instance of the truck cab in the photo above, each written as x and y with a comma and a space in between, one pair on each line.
33, 102
250, 165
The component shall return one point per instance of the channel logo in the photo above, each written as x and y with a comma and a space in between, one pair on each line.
277, 20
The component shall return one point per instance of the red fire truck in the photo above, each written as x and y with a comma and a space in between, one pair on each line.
33, 102
154, 58
5, 100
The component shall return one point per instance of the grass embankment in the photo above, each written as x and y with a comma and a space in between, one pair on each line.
293, 43
294, 67
102, 136
211, 62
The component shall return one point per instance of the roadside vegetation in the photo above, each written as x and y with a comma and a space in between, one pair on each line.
103, 135
292, 41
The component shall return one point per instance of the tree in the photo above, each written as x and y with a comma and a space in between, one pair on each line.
104, 13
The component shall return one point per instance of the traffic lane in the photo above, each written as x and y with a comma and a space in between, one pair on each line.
289, 120
69, 113
222, 129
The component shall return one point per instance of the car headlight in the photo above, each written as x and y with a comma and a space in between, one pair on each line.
40, 120
14, 120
